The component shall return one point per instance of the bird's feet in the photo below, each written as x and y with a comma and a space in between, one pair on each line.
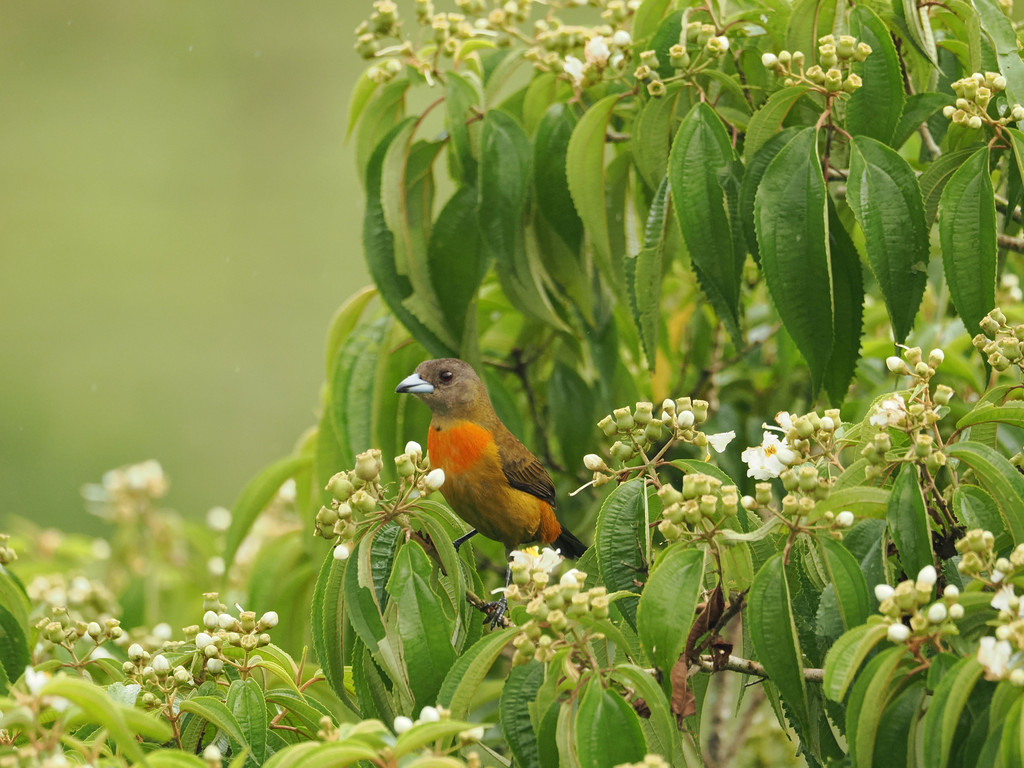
496, 612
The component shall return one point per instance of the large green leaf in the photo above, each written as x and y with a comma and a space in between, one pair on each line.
620, 541
652, 134
607, 729
1000, 478
874, 109
313, 754
550, 183
872, 692
664, 726
917, 108
974, 507
255, 496
667, 605
701, 159
756, 166
458, 261
571, 404
425, 633
461, 102
847, 654
648, 16
773, 632
908, 522
247, 705
585, 171
644, 273
469, 670
967, 231
518, 692
848, 580
504, 180
882, 192
767, 122
790, 216
847, 306
935, 177
384, 108
946, 708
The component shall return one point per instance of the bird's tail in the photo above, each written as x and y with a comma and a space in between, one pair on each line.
568, 544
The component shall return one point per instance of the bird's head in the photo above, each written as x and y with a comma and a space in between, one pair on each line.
446, 385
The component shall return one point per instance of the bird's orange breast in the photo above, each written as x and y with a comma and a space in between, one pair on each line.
459, 447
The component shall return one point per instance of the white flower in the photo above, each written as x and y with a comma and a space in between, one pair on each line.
429, 715
203, 639
593, 462
936, 354
219, 518
545, 561
210, 620
685, 419
883, 592
434, 479
35, 680
596, 51
574, 68
226, 620
997, 576
927, 576
569, 578
341, 552
898, 633
767, 460
845, 519
414, 449
160, 664
890, 413
402, 724
269, 620
895, 364
937, 613
621, 38
994, 655
720, 440
1006, 600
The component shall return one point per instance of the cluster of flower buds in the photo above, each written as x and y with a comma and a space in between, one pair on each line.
973, 95
127, 491
59, 628
221, 631
911, 613
553, 609
155, 673
832, 72
802, 438
7, 553
914, 364
82, 598
427, 715
1001, 343
978, 556
604, 52
700, 506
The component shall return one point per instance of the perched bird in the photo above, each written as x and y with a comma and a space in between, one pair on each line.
492, 481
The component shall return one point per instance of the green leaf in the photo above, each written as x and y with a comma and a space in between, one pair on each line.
919, 28
1008, 413
606, 728
470, 669
652, 134
946, 708
620, 541
874, 109
215, 712
571, 405
774, 636
848, 309
974, 507
644, 273
424, 633
756, 166
667, 604
701, 157
647, 18
882, 192
247, 706
328, 623
1004, 39
457, 259
384, 109
790, 218
173, 758
519, 691
255, 496
908, 522
318, 755
550, 183
423, 734
935, 177
395, 286
504, 184
461, 100
344, 322
1000, 478
305, 713
14, 653
767, 122
896, 736
917, 108
847, 578
967, 231
847, 654
361, 92
124, 724
662, 721
868, 700
585, 171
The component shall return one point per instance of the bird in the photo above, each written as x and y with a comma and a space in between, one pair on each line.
492, 481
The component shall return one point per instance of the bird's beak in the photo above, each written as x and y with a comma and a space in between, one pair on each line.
415, 385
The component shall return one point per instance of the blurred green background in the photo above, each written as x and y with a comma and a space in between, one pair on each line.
178, 221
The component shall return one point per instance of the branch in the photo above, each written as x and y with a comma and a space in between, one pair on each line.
1015, 244
1002, 205
749, 667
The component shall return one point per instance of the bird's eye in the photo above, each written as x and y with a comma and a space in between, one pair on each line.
446, 376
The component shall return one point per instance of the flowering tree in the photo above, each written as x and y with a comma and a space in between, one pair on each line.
720, 213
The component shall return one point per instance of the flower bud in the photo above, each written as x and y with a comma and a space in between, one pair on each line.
883, 592
937, 613
607, 425
845, 519
623, 419
621, 451
342, 552
136, 652
340, 487
898, 633
956, 611
434, 479
402, 724
214, 666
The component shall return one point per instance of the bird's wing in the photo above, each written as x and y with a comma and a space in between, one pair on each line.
524, 471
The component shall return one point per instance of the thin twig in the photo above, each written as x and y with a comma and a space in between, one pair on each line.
751, 667
1015, 244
